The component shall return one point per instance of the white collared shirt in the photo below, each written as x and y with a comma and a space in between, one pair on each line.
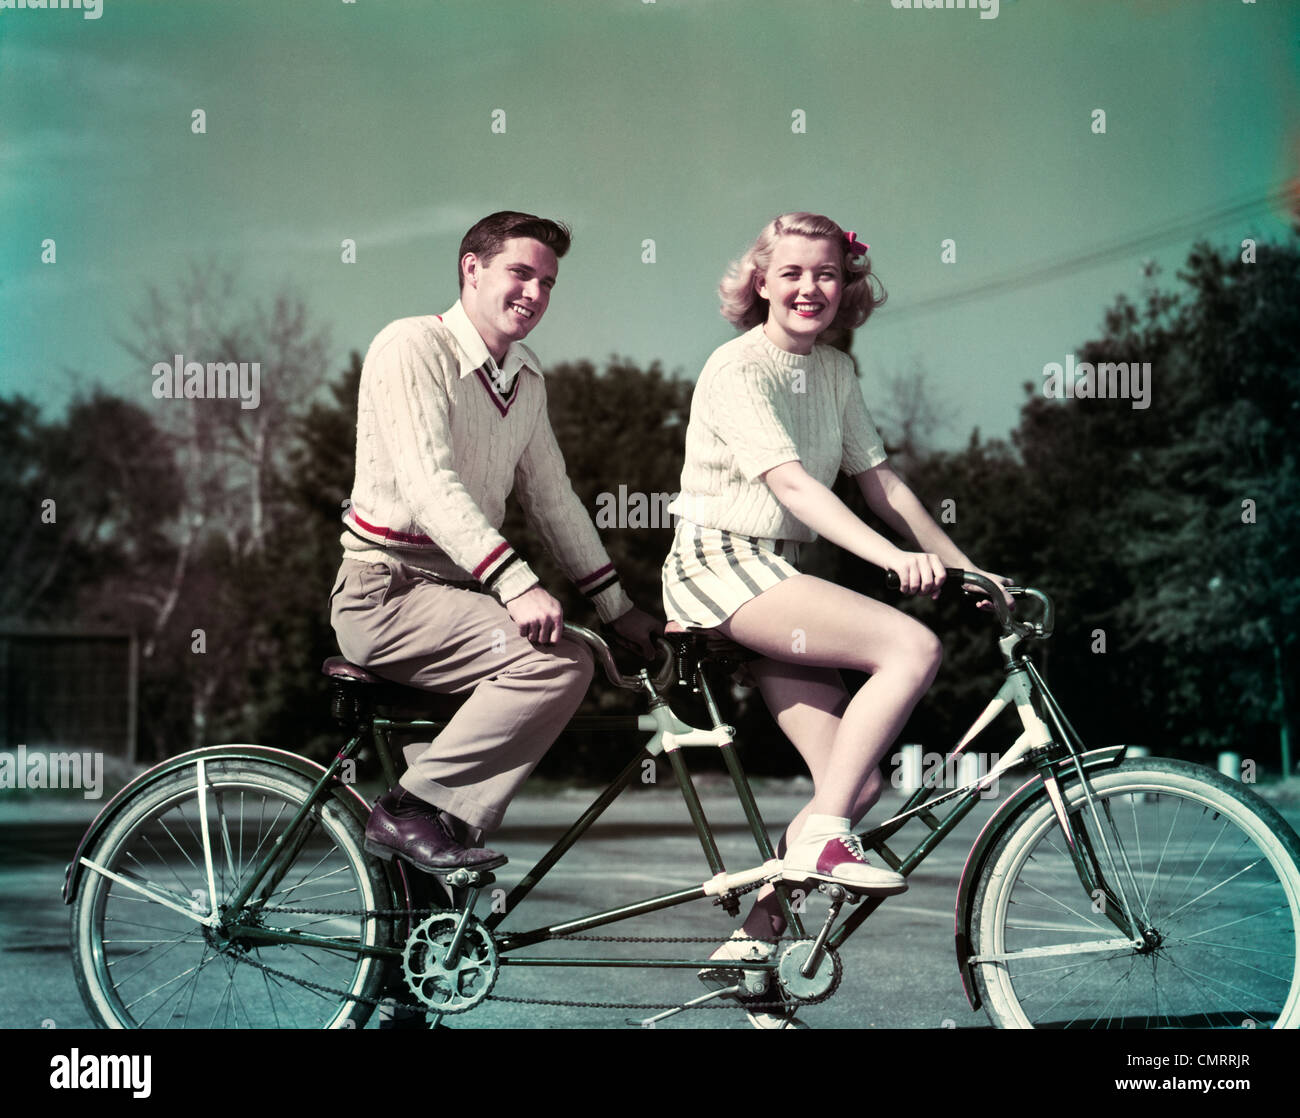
476, 355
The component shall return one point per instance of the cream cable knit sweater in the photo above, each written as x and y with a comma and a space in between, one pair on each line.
438, 452
757, 406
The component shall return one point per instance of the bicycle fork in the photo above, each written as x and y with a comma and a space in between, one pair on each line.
1112, 902
1040, 747
1037, 745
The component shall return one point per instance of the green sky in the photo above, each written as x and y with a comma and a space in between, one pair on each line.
668, 120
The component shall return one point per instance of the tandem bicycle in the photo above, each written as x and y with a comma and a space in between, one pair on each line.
230, 886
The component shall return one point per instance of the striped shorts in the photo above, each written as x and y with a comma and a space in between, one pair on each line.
710, 573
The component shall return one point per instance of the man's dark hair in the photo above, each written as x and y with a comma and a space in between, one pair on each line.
488, 237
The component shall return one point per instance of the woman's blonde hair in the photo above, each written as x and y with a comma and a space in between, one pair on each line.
744, 308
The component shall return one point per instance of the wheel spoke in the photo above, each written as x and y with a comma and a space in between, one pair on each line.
1210, 890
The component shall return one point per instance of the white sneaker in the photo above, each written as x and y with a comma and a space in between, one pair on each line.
739, 948
841, 860
770, 1019
761, 989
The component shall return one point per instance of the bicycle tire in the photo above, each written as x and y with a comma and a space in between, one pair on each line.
168, 971
1209, 859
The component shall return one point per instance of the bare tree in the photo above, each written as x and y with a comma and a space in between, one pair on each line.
228, 455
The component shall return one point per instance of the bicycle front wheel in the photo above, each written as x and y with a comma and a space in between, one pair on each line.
141, 959
1209, 869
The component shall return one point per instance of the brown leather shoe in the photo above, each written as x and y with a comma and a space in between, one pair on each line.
405, 826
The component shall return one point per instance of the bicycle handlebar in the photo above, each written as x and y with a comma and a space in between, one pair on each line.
605, 657
1035, 630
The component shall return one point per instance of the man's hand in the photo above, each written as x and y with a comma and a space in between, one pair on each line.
539, 616
639, 630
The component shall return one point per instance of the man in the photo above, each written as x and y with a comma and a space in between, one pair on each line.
452, 416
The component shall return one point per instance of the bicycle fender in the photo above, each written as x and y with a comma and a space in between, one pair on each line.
279, 757
1009, 809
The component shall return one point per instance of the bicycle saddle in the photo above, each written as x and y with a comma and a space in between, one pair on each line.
692, 647
357, 690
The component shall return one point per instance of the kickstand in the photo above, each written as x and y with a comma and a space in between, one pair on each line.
650, 1022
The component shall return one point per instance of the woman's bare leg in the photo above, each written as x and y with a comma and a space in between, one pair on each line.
806, 628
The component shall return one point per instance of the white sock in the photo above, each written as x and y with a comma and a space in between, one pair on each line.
823, 827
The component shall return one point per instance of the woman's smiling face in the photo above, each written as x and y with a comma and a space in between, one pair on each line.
802, 285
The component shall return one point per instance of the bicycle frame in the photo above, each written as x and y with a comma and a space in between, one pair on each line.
1054, 752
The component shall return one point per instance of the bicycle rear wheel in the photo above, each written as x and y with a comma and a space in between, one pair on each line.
1212, 872
142, 964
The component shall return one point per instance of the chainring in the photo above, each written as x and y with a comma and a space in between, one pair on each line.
823, 982
466, 982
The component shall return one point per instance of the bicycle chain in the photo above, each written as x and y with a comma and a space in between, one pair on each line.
395, 1003
420, 1006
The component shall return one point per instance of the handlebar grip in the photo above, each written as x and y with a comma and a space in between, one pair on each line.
951, 585
956, 579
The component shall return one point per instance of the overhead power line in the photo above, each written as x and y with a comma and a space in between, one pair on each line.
1179, 229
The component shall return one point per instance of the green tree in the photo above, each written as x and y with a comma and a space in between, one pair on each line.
1219, 560
113, 499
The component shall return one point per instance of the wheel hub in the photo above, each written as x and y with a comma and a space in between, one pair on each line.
221, 938
1151, 941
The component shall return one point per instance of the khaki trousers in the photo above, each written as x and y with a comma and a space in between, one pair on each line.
410, 628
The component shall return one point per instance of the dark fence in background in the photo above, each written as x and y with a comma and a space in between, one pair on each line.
68, 688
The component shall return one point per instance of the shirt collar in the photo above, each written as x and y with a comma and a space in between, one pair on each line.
474, 350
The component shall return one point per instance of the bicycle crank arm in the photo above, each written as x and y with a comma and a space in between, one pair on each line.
649, 1022
1063, 949
814, 960
161, 898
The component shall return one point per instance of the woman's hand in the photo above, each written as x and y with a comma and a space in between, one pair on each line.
919, 572
1000, 580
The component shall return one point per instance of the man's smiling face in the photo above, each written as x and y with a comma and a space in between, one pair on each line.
507, 296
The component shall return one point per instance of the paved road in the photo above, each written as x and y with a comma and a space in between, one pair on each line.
900, 969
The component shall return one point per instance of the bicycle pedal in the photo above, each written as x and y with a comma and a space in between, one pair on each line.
812, 882
841, 893
467, 879
405, 1022
734, 980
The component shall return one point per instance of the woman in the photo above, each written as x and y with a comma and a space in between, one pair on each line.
774, 417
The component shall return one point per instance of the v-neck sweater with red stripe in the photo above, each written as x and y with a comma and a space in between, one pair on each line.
439, 452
